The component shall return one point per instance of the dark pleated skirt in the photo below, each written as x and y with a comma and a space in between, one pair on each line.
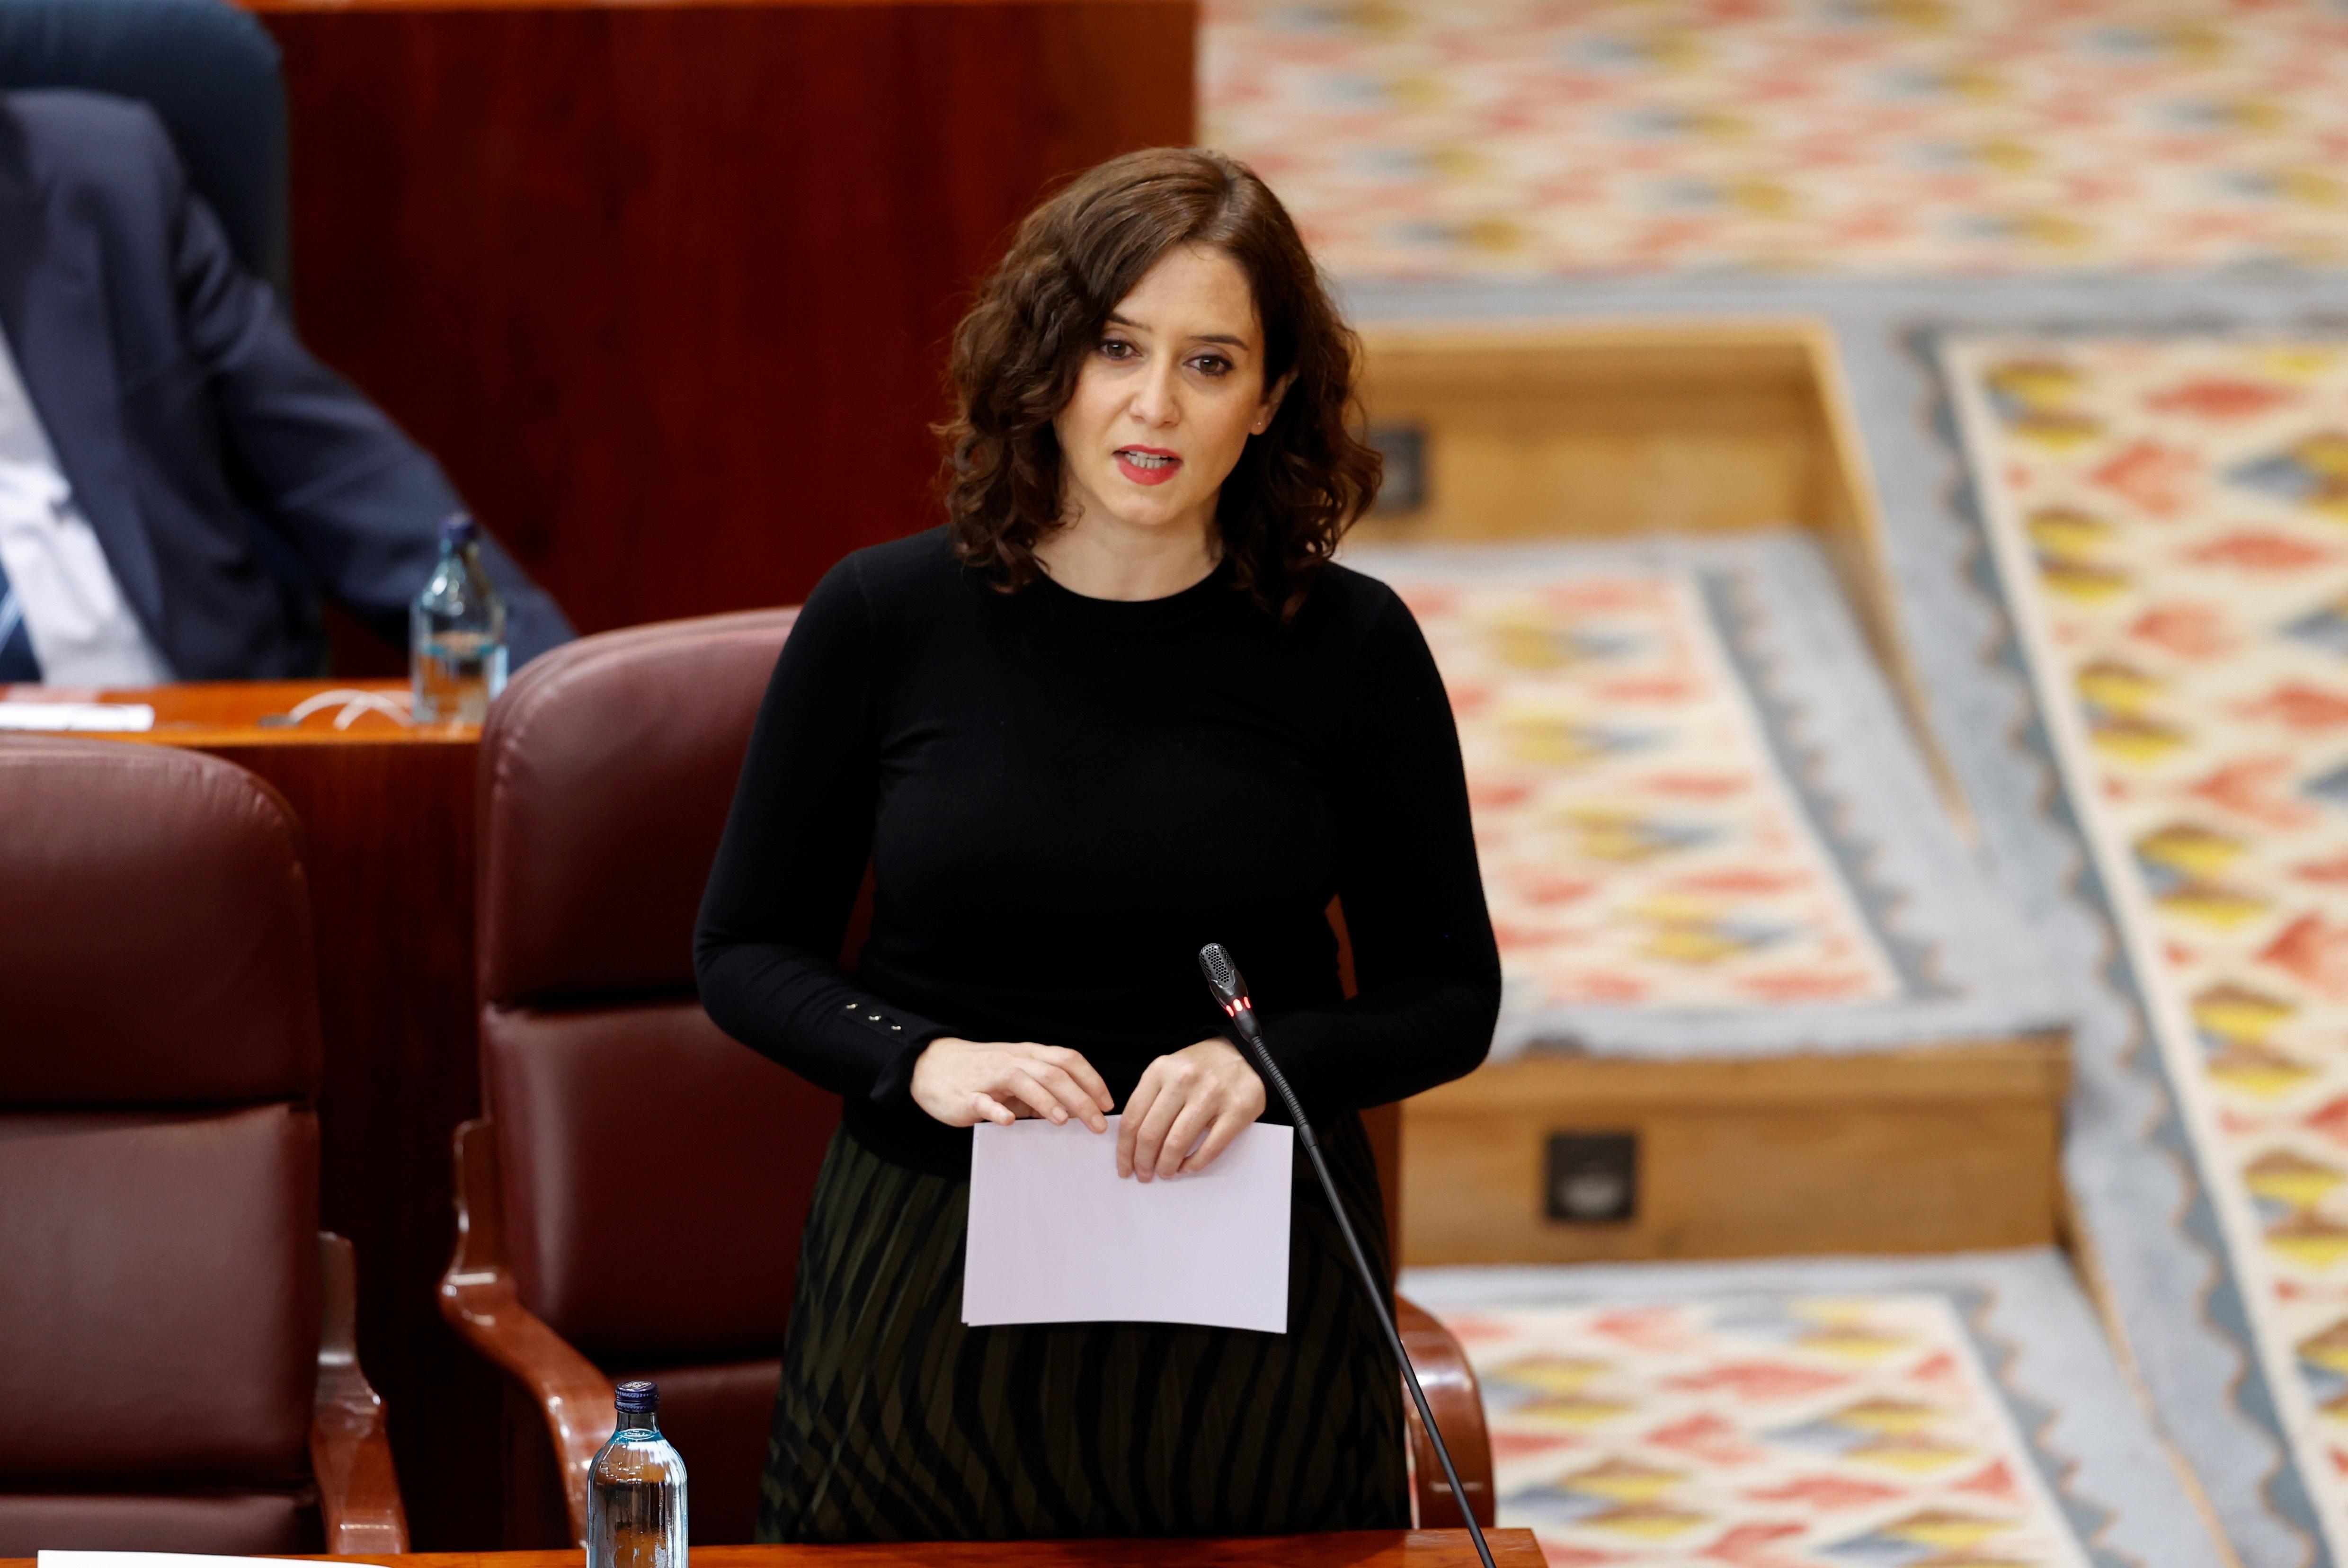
896, 1422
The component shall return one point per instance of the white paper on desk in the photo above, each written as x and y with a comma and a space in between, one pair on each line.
113, 716
1055, 1236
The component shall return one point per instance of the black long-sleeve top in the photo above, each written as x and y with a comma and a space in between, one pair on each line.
1062, 800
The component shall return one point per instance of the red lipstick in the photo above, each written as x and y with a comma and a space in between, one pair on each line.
1151, 474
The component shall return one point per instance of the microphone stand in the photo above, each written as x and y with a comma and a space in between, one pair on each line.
1234, 1000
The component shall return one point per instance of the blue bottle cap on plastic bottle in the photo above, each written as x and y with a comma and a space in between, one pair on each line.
458, 528
638, 1398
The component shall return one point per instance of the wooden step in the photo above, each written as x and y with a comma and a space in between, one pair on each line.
1939, 1149
1527, 431
1524, 431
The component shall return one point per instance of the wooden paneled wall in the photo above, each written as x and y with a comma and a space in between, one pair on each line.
667, 287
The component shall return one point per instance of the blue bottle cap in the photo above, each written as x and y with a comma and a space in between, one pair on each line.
638, 1398
458, 528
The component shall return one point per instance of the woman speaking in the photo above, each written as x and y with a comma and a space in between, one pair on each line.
1120, 706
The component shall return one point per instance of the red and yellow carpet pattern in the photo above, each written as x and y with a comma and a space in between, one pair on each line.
1472, 138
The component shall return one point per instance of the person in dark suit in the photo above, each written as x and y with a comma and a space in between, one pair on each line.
180, 481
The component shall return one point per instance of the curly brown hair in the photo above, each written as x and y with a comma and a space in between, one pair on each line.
1018, 352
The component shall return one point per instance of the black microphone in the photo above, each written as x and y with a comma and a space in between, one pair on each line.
1230, 986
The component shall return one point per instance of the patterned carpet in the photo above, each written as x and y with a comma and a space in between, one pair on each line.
1639, 840
1922, 1413
2176, 1282
1449, 138
2171, 523
1910, 172
1705, 828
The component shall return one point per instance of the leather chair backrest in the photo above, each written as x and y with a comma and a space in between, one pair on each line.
210, 72
606, 772
159, 1279
158, 1157
156, 922
657, 1173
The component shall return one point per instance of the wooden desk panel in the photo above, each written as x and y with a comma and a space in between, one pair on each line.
667, 287
388, 825
1352, 1548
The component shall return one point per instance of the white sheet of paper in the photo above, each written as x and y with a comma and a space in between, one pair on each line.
115, 716
1057, 1237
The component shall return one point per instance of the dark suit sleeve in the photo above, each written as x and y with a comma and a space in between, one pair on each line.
358, 502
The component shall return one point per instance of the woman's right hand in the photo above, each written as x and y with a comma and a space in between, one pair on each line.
964, 1082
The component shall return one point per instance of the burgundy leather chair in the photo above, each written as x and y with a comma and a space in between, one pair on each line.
175, 1331
631, 1202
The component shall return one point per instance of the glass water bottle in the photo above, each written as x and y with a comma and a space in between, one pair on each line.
635, 1490
456, 634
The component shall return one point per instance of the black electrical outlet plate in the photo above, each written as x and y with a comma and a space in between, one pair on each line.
1593, 1178
1403, 446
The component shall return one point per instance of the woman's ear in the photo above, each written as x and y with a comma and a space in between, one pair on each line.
1271, 405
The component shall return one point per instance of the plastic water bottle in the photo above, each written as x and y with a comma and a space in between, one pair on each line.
456, 634
635, 1490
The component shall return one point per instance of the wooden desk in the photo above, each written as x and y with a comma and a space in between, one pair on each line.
1344, 1549
387, 815
666, 286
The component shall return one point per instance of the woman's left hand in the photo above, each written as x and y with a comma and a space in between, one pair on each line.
1187, 1110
